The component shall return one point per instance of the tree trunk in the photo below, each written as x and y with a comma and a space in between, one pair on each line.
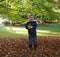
59, 4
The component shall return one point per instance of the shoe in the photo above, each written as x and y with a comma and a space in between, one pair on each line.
36, 50
30, 49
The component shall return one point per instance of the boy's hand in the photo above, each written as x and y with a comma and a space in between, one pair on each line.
30, 27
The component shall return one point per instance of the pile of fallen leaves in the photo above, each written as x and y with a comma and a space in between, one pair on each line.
47, 47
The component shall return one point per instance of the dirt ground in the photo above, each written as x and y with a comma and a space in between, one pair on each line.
47, 47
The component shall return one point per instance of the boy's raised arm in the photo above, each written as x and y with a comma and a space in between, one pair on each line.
26, 25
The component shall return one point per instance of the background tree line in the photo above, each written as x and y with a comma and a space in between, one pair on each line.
18, 11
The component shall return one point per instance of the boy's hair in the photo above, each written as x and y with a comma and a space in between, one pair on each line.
31, 15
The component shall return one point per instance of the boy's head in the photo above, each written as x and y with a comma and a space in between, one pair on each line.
31, 17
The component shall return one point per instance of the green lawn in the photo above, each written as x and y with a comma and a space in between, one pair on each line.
49, 30
18, 32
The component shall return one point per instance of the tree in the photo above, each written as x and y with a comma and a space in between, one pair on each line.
16, 10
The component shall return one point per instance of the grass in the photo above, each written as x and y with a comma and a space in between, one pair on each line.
5, 33
19, 32
49, 30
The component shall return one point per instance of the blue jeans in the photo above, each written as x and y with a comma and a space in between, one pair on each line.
33, 38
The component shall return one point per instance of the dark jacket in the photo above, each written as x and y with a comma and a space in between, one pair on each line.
33, 30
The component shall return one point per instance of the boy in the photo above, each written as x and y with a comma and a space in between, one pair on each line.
31, 27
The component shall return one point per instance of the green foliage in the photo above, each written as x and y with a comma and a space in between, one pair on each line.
15, 10
6, 23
